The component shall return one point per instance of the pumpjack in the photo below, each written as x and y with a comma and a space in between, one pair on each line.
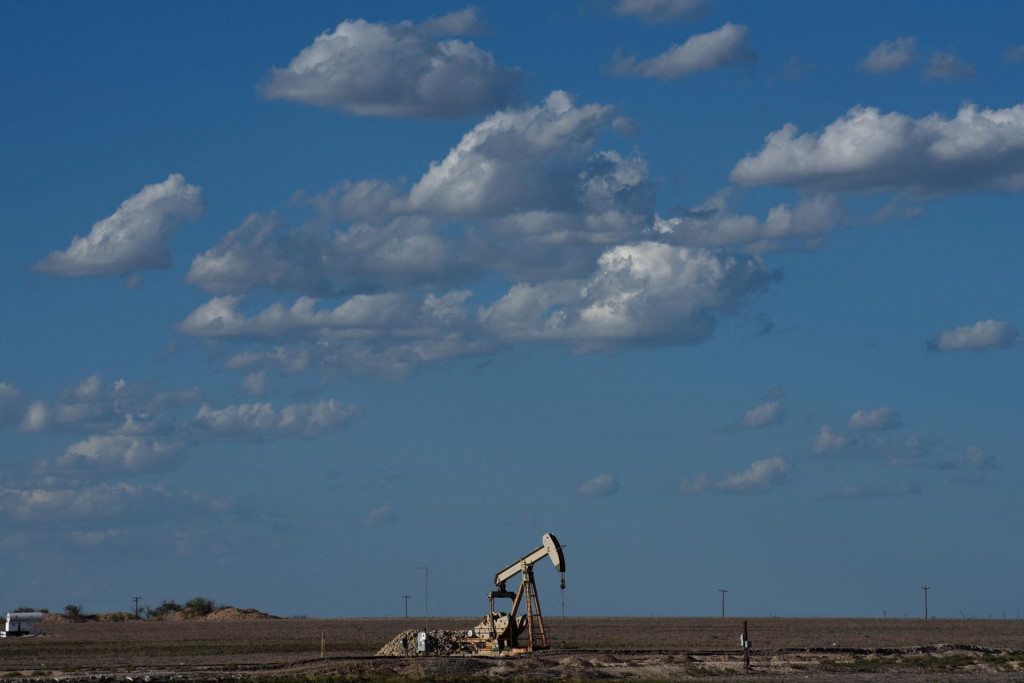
505, 633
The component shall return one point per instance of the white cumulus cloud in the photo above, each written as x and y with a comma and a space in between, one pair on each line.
978, 457
804, 224
134, 237
947, 66
764, 415
601, 485
984, 334
889, 55
382, 516
868, 151
81, 506
658, 11
257, 420
403, 251
397, 70
761, 475
829, 440
974, 458
725, 46
524, 196
511, 161
256, 382
360, 316
880, 418
120, 454
537, 199
37, 417
97, 405
642, 294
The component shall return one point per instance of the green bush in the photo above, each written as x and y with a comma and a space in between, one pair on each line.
199, 606
74, 612
163, 609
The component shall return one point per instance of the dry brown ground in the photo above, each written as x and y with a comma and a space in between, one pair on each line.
583, 648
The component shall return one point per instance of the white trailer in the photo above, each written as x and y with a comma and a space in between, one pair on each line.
20, 623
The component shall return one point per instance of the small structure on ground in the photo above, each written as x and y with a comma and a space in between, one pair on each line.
20, 623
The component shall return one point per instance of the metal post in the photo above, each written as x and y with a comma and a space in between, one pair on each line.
136, 599
723, 591
746, 647
406, 605
926, 588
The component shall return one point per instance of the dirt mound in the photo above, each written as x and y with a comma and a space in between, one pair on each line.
114, 616
439, 643
54, 618
236, 614
220, 614
174, 616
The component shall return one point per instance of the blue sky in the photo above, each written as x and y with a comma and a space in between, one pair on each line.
724, 294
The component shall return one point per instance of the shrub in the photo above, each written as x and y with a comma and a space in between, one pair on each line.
74, 612
199, 606
164, 608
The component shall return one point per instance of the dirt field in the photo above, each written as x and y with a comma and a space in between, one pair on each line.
594, 648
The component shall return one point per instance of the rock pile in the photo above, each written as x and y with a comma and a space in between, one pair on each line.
439, 643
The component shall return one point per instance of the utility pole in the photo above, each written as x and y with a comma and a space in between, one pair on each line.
426, 595
925, 588
406, 605
136, 599
723, 591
